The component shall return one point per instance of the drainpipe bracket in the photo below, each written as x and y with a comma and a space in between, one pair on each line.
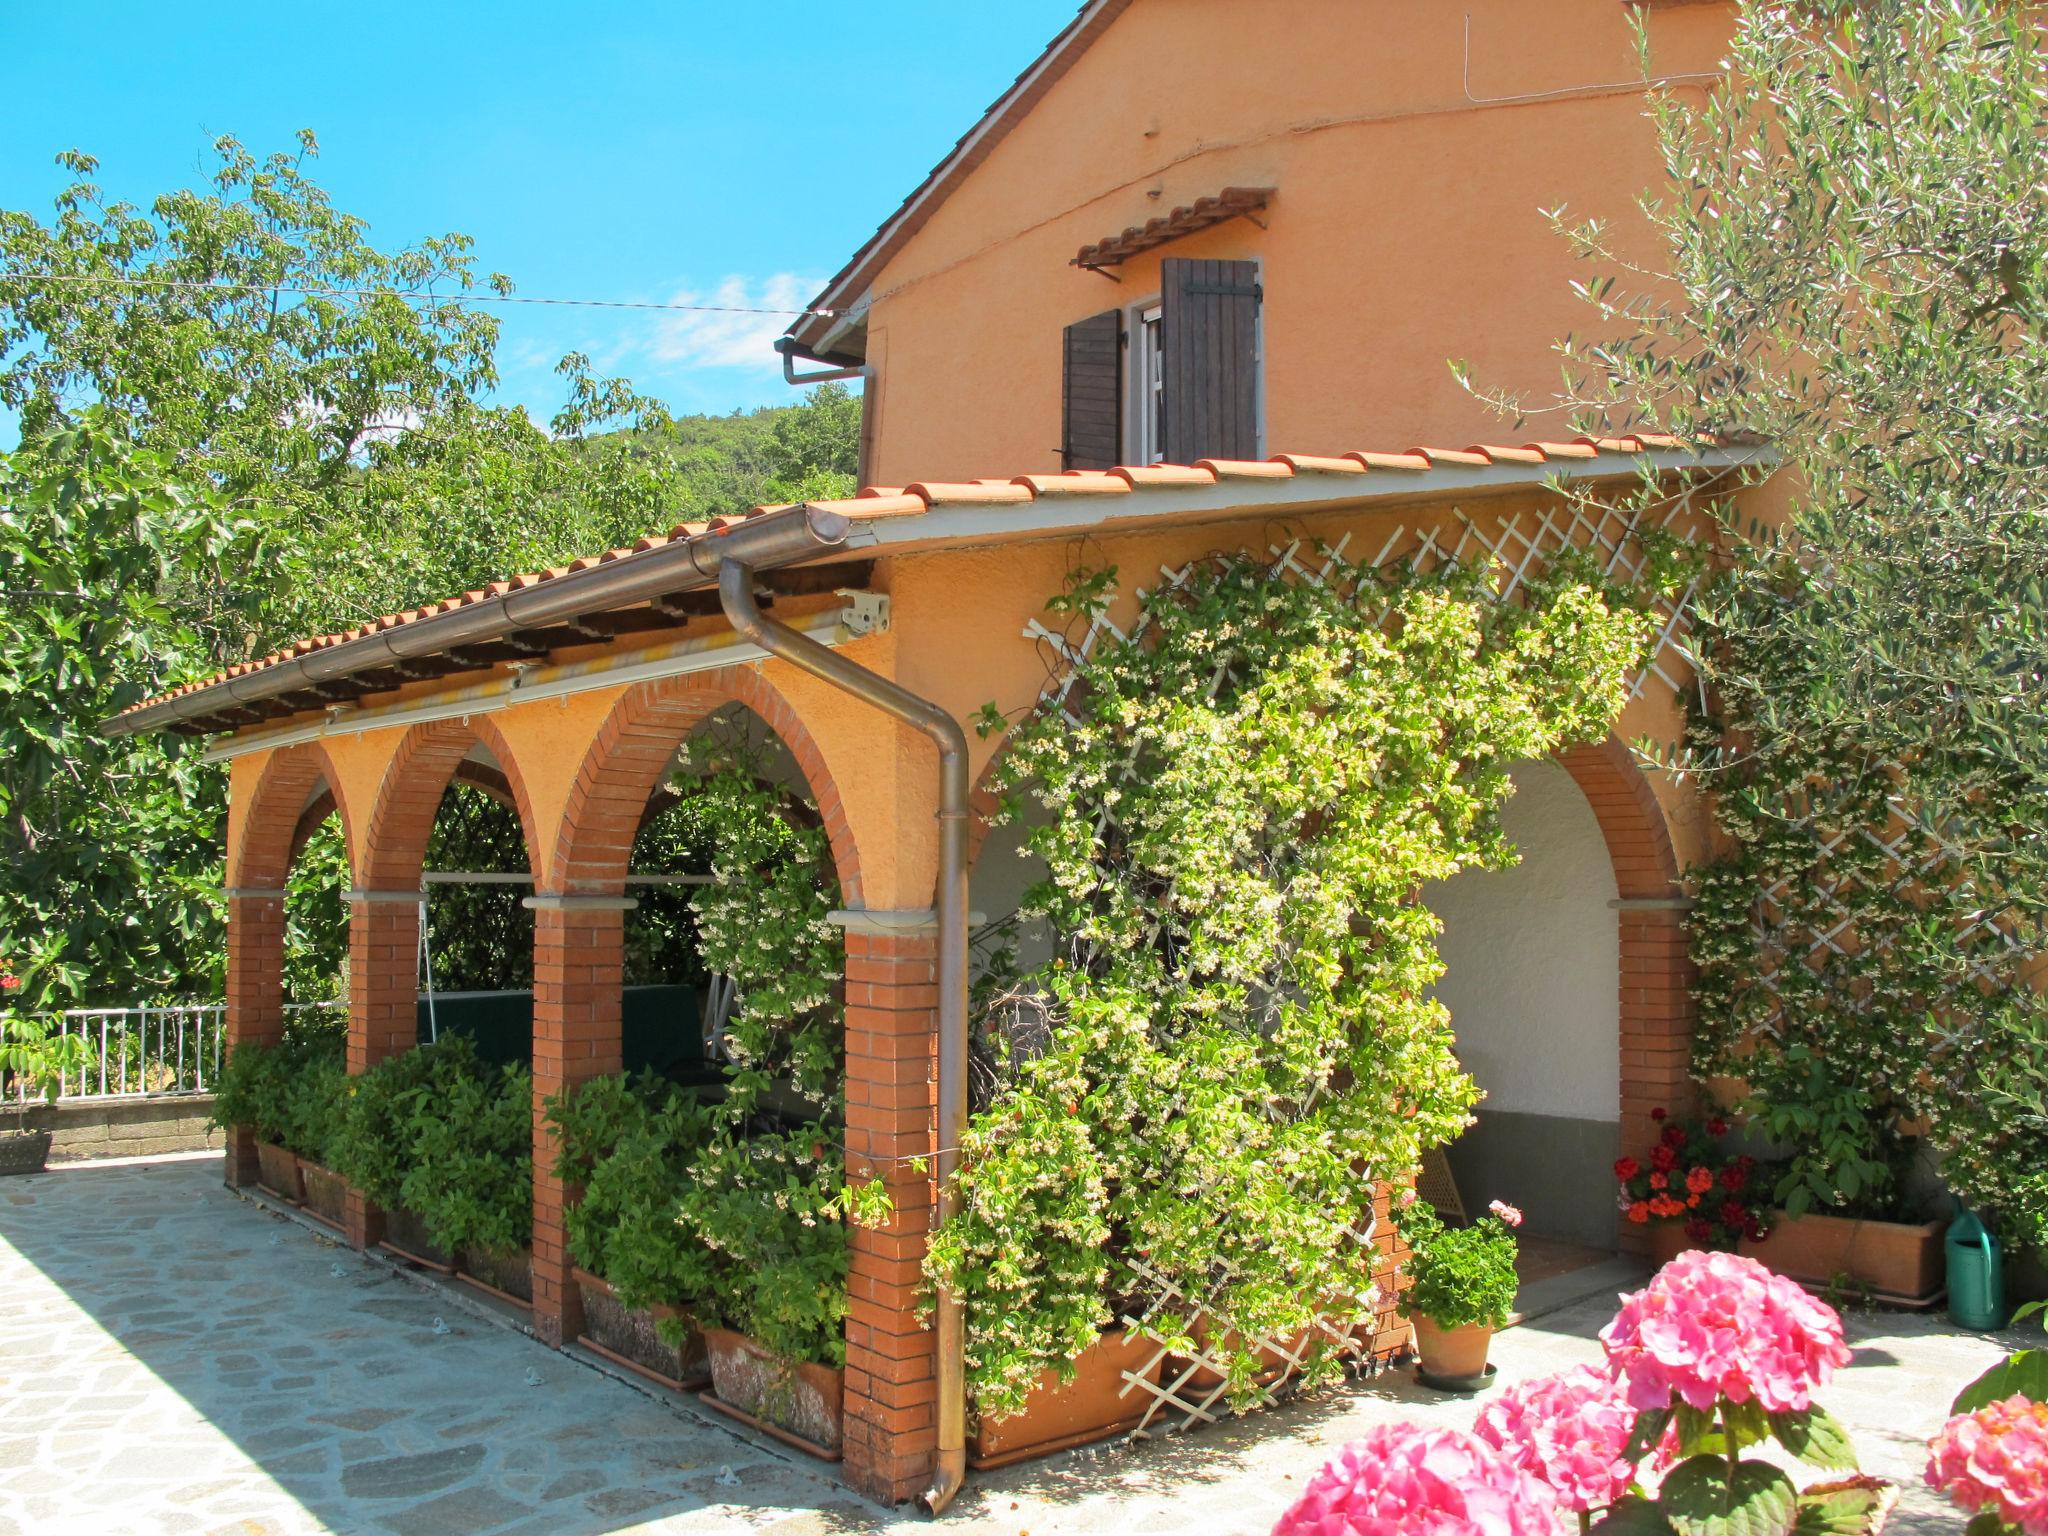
251, 893
867, 613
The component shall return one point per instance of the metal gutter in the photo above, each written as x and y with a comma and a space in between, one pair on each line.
680, 658
771, 539
736, 595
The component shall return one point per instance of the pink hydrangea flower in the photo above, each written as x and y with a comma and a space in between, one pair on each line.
1401, 1480
1996, 1459
1569, 1430
1713, 1325
1506, 1213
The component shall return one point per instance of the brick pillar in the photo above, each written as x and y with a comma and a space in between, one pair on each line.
383, 999
578, 974
892, 1000
1657, 1012
255, 998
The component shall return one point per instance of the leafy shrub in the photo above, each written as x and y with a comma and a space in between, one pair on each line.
1459, 1275
629, 1144
265, 1086
374, 1146
471, 1179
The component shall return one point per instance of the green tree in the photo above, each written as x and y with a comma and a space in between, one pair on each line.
242, 423
110, 586
1853, 234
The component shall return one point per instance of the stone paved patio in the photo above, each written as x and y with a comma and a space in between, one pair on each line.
176, 1359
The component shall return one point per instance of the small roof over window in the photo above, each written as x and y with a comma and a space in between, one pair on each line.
1230, 203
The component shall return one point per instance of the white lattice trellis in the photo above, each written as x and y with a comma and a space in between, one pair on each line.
1185, 1388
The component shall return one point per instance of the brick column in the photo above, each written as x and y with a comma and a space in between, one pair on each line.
255, 998
1657, 1013
383, 999
892, 1000
578, 974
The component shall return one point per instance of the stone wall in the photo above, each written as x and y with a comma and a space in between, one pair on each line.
92, 1128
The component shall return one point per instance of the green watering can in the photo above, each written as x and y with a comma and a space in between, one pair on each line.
1976, 1274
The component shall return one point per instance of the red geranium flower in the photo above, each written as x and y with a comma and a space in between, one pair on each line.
1674, 1135
1733, 1215
1660, 1180
1658, 1113
1698, 1230
1663, 1158
1627, 1169
1699, 1180
1639, 1212
1717, 1126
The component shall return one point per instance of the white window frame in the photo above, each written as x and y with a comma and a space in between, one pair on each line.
1148, 382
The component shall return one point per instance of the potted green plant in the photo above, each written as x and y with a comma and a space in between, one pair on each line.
250, 1094
1843, 1206
777, 1205
1462, 1286
374, 1145
314, 1101
34, 1059
471, 1179
628, 1146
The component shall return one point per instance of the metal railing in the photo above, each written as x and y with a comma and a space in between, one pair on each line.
151, 1051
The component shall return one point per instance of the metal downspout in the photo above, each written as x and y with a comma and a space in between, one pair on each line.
736, 596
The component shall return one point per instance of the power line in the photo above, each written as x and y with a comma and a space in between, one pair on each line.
397, 293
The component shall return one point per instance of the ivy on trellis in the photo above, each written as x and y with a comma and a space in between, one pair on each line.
1863, 962
1247, 785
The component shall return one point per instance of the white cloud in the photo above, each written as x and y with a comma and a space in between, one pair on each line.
711, 339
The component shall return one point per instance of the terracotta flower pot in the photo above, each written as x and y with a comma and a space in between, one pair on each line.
632, 1336
1901, 1261
407, 1236
507, 1276
799, 1403
1101, 1401
1452, 1354
326, 1193
277, 1173
1667, 1241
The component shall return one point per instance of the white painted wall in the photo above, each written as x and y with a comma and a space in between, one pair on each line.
1533, 957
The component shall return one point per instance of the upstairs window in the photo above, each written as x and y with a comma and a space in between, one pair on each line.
1177, 379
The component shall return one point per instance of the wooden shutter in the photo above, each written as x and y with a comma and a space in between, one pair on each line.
1092, 405
1209, 316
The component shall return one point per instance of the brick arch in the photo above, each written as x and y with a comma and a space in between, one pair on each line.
1638, 838
293, 782
428, 759
623, 767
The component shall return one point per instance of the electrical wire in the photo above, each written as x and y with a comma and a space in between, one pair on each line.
400, 293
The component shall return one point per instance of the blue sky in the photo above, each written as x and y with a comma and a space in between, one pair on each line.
607, 150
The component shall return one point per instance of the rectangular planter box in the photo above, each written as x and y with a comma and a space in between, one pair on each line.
507, 1276
326, 1194
277, 1173
1093, 1406
407, 1236
24, 1152
631, 1336
798, 1403
1900, 1261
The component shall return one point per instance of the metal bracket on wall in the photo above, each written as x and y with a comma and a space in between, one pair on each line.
867, 613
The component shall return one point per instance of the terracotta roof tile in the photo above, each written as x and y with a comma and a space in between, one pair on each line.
879, 502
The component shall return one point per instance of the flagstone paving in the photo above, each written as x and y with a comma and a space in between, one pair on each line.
176, 1359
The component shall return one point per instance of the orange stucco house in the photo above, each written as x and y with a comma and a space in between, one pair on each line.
1228, 247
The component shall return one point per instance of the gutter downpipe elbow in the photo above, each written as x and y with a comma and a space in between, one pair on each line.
736, 597
796, 380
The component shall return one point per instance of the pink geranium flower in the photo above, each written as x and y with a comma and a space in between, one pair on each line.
1714, 1325
1569, 1430
1399, 1480
1996, 1459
